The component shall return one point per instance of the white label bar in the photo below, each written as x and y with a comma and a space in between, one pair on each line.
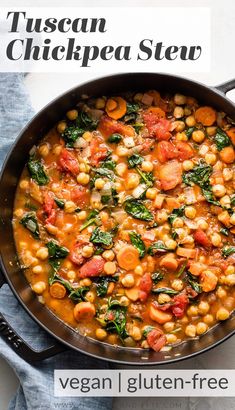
144, 383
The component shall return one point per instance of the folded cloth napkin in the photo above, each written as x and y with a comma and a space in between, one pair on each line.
36, 381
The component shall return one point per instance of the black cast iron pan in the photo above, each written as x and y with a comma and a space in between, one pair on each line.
64, 336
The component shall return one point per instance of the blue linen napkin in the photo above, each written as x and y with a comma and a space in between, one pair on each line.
36, 381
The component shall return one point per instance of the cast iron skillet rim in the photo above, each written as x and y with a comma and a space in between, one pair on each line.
4, 270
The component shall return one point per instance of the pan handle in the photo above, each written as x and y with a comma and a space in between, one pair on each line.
19, 345
227, 86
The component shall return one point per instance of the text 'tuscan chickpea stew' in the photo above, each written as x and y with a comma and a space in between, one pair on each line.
124, 219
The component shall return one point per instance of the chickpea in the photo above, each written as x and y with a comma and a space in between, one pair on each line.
44, 150
221, 293
128, 281
124, 301
90, 296
121, 169
227, 174
203, 307
133, 181
210, 159
87, 251
129, 142
178, 112
192, 310
228, 280
190, 121
147, 166
169, 326
198, 136
145, 344
72, 115
19, 213
69, 207
180, 99
71, 275
177, 284
179, 126
230, 270
203, 150
163, 298
122, 151
61, 127
151, 193
187, 111
190, 330
216, 239
222, 314
190, 212
24, 184
57, 148
37, 269
113, 339
42, 253
181, 136
225, 201
108, 255
135, 333
187, 165
39, 287
171, 338
99, 183
110, 268
85, 282
162, 216
138, 97
171, 244
84, 167
87, 135
219, 190
82, 215
211, 131
201, 328
208, 319
53, 230
139, 270
100, 103
101, 334
83, 178
232, 219
178, 223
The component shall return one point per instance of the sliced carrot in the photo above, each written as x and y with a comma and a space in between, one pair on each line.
159, 316
169, 262
84, 311
107, 127
231, 134
128, 257
227, 155
57, 290
196, 268
186, 252
110, 288
133, 293
205, 115
116, 107
208, 281
172, 203
158, 112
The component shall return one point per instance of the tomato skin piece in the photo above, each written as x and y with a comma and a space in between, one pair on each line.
156, 339
201, 238
80, 195
180, 302
185, 151
99, 151
166, 150
108, 126
94, 267
49, 209
68, 162
157, 127
75, 254
170, 175
146, 283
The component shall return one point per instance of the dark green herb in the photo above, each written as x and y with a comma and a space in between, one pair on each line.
108, 164
157, 277
59, 202
115, 319
137, 126
134, 160
71, 134
224, 231
56, 251
182, 269
131, 113
91, 220
177, 212
168, 291
30, 206
115, 138
191, 280
75, 294
132, 108
227, 251
103, 283
110, 199
146, 177
138, 210
76, 128
29, 221
157, 247
221, 139
189, 131
232, 200
37, 172
99, 237
138, 243
147, 329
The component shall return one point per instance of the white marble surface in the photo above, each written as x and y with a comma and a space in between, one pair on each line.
44, 87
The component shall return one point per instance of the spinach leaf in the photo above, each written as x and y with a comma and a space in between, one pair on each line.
224, 231
29, 221
108, 164
189, 131
157, 277
175, 213
103, 283
91, 220
115, 138
37, 172
222, 140
168, 291
30, 206
131, 113
104, 172
157, 247
56, 251
110, 199
99, 237
138, 243
182, 269
137, 127
193, 282
132, 108
232, 200
137, 210
59, 202
71, 134
76, 128
75, 294
227, 251
115, 319
146, 177
134, 160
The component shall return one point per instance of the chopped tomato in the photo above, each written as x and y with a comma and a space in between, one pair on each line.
49, 208
80, 195
170, 175
157, 127
156, 339
180, 302
68, 162
146, 146
166, 150
145, 286
94, 267
108, 126
99, 151
75, 254
201, 238
185, 151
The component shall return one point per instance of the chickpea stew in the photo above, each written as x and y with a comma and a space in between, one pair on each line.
124, 219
